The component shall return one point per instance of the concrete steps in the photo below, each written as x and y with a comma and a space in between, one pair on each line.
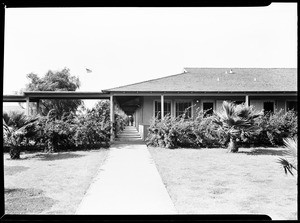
130, 133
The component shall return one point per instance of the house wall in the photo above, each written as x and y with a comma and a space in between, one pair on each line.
279, 101
148, 109
148, 105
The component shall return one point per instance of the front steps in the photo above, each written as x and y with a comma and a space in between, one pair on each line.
129, 134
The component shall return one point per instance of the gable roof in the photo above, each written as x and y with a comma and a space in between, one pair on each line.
219, 79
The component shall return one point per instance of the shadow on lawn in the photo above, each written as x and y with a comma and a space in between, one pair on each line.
11, 170
26, 201
265, 151
55, 156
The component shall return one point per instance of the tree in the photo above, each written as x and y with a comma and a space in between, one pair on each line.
55, 81
238, 122
17, 129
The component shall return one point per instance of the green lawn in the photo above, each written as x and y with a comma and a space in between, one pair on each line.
212, 181
55, 183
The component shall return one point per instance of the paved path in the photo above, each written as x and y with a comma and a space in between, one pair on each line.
127, 183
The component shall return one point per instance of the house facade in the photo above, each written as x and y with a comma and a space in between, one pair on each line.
195, 89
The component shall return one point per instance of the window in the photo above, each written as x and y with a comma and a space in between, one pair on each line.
157, 108
268, 107
292, 105
208, 108
239, 102
184, 108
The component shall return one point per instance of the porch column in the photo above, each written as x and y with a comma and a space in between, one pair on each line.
112, 118
38, 106
27, 106
247, 100
162, 106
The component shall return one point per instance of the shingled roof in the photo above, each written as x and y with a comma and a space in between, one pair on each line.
218, 80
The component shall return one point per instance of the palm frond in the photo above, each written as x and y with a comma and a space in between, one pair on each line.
243, 112
229, 108
291, 144
286, 165
5, 126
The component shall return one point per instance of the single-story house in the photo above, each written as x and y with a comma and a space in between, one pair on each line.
194, 89
205, 89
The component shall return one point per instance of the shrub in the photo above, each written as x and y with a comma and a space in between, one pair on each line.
92, 130
158, 130
101, 112
207, 132
177, 132
88, 129
275, 128
71, 132
120, 122
55, 134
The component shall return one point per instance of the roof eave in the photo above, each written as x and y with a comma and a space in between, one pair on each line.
202, 92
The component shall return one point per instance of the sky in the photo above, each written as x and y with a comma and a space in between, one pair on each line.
128, 45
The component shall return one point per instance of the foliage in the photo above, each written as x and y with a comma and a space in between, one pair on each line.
18, 129
239, 122
94, 126
176, 132
73, 131
102, 110
275, 127
55, 81
89, 128
207, 131
55, 133
235, 126
121, 119
291, 162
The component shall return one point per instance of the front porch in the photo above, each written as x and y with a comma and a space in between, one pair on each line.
144, 106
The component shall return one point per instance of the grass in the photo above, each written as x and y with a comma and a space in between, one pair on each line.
211, 181
54, 183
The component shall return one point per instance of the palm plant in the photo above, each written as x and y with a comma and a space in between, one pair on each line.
238, 122
290, 162
17, 128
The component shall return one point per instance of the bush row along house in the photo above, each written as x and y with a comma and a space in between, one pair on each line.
192, 90
205, 89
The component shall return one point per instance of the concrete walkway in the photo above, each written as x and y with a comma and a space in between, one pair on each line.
127, 183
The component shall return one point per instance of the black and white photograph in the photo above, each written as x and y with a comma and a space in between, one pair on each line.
151, 111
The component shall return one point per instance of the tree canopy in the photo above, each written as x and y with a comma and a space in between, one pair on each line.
55, 81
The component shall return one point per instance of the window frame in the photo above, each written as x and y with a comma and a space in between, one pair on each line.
208, 101
183, 101
165, 101
274, 105
239, 101
286, 104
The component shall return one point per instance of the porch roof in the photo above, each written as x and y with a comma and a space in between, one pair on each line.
36, 95
263, 80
